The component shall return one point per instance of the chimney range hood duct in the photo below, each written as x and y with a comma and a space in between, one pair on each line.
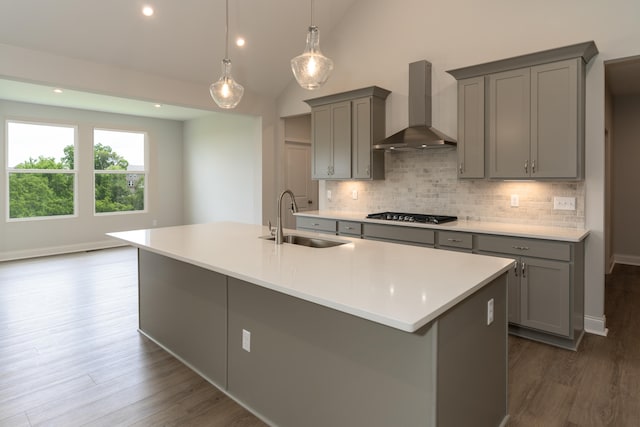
420, 134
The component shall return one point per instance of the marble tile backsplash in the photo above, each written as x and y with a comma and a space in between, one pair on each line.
426, 182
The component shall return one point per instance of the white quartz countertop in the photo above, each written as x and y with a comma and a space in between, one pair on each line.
564, 234
401, 286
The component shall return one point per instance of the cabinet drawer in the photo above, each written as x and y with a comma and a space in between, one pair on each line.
525, 247
453, 239
316, 224
350, 228
398, 233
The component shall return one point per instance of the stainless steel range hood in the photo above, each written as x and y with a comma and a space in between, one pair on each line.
420, 134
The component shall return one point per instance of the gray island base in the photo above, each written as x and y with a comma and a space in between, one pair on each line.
310, 365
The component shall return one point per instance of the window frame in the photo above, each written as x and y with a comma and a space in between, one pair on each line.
144, 171
11, 170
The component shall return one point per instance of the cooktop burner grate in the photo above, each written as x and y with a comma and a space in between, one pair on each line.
412, 217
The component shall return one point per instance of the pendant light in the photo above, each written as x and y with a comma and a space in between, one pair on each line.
312, 68
226, 92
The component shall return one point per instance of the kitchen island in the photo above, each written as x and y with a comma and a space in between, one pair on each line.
364, 333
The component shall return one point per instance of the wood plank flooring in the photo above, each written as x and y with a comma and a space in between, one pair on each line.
70, 355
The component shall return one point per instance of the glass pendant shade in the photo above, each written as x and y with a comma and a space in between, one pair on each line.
226, 92
312, 69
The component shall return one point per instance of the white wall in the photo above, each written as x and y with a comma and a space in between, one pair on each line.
378, 38
87, 231
223, 169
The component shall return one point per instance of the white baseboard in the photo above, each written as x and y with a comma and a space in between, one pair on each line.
626, 259
596, 325
57, 250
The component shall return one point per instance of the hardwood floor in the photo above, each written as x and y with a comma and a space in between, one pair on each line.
70, 355
599, 385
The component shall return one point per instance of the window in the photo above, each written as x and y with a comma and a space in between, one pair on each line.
41, 170
119, 171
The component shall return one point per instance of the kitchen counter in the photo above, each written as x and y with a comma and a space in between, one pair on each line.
403, 287
496, 228
380, 334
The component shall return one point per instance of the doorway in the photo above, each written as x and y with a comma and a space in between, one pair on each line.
297, 166
622, 197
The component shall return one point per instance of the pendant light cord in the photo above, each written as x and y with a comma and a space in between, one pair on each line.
312, 13
226, 34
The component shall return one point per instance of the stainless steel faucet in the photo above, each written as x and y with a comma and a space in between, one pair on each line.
294, 209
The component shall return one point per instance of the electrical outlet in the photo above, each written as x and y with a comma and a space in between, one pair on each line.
515, 200
154, 223
354, 194
490, 312
564, 203
246, 340
329, 195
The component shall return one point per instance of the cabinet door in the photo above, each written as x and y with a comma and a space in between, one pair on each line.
361, 138
471, 128
554, 120
341, 139
321, 137
545, 288
509, 124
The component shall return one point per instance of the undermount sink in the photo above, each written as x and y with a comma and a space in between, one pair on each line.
311, 242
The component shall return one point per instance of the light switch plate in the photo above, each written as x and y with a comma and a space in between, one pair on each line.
564, 203
354, 194
515, 200
246, 340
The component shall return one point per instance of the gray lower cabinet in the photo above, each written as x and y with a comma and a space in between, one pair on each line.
392, 233
546, 287
455, 241
319, 225
350, 228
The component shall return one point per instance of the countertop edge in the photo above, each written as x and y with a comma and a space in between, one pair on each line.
478, 227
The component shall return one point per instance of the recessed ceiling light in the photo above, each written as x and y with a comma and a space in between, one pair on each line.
240, 41
147, 11
57, 90
157, 105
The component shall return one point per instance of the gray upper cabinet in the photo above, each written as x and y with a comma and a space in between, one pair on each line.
509, 118
534, 115
557, 121
344, 127
471, 128
534, 122
331, 135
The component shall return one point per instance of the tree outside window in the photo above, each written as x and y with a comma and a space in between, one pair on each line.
41, 170
119, 171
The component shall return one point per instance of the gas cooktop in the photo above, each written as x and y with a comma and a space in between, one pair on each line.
412, 217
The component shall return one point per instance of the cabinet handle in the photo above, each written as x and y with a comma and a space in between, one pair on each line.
315, 224
367, 171
461, 167
454, 240
348, 228
526, 166
524, 269
533, 166
521, 248
515, 268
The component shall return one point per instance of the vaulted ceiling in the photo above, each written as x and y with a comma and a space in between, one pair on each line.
183, 40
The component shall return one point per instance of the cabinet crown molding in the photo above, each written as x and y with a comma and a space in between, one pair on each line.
586, 51
375, 91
